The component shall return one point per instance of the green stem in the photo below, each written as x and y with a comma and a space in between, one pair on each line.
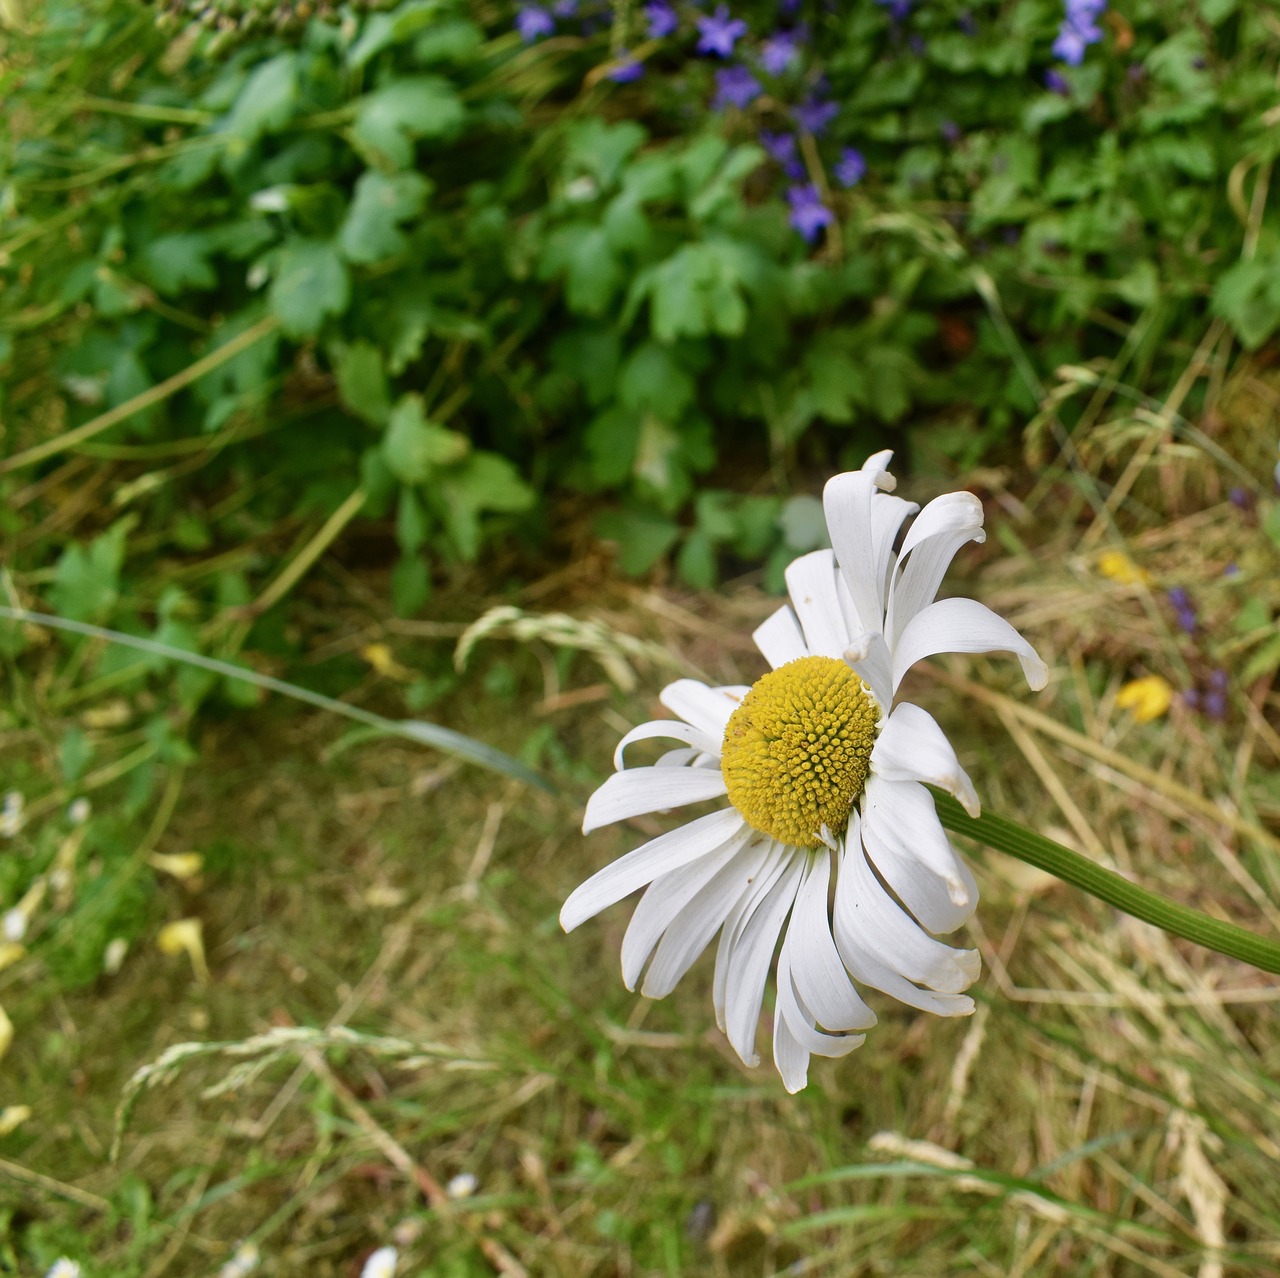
430, 734
1180, 920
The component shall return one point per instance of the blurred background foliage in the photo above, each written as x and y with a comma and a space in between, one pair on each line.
441, 292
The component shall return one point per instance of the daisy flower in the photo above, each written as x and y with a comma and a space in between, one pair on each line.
824, 777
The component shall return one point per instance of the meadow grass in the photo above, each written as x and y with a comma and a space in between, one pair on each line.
391, 1003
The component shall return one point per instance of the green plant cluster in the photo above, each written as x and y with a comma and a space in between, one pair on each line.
440, 277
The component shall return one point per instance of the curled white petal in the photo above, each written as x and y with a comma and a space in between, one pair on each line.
912, 747
940, 529
673, 728
659, 856
864, 522
707, 709
640, 790
963, 625
779, 638
908, 846
811, 583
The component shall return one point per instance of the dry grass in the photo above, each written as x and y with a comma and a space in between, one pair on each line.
1110, 1110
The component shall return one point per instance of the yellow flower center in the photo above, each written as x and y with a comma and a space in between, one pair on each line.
797, 750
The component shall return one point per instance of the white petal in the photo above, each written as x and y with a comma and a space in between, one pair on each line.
811, 583
686, 757
912, 747
690, 932
800, 1019
941, 528
641, 790
822, 981
738, 917
868, 655
779, 638
673, 728
868, 931
752, 958
863, 523
789, 1056
659, 856
907, 844
663, 900
707, 709
963, 625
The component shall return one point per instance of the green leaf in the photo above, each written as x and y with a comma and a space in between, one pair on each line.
643, 537
412, 525
413, 447
389, 121
362, 380
1247, 296
410, 584
582, 254
482, 482
804, 525
696, 561
600, 150
311, 284
653, 380
86, 579
383, 30
266, 101
75, 752
171, 264
381, 202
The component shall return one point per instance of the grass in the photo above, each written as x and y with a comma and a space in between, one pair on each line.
391, 1003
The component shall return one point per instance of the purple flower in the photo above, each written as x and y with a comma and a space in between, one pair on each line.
1231, 570
782, 148
564, 8
779, 51
662, 19
898, 9
1055, 82
625, 69
1191, 699
1187, 620
808, 213
813, 115
851, 168
533, 22
1215, 704
1241, 498
1078, 31
719, 33
735, 86
788, 7
1179, 598
1219, 680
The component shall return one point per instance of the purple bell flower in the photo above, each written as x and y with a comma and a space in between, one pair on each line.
808, 213
779, 52
533, 22
662, 19
851, 167
813, 115
719, 33
781, 148
735, 86
625, 70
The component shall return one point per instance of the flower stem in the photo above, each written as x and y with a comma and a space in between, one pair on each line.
1180, 920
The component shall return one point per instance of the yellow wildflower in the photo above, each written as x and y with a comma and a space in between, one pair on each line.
1148, 698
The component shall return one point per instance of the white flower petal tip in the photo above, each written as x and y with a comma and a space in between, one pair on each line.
1036, 672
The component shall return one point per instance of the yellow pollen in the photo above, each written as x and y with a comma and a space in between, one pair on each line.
797, 750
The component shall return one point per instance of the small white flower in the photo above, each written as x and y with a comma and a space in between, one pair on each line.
78, 811
11, 814
63, 1268
825, 777
463, 1185
113, 956
14, 926
242, 1263
382, 1264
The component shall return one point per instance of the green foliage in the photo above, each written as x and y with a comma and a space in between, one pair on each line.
466, 277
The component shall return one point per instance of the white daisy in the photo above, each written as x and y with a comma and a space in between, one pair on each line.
823, 774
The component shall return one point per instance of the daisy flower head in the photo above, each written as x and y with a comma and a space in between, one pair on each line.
823, 773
